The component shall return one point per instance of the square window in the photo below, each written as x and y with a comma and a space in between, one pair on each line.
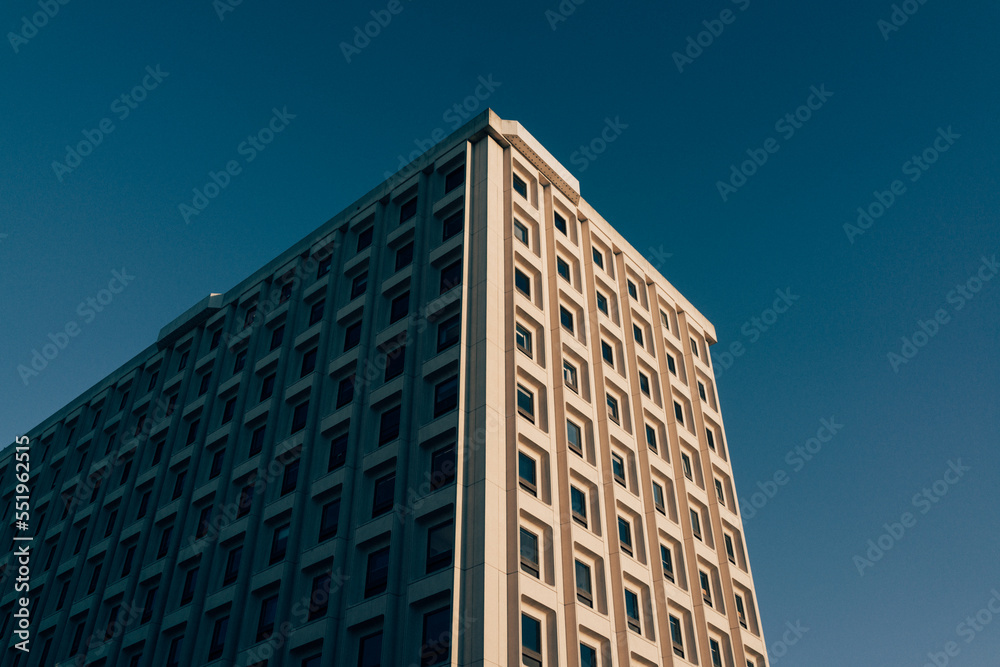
454, 179
566, 319
451, 276
625, 535
569, 375
276, 337
352, 336
527, 473
618, 469
631, 290
529, 553
522, 282
442, 467
389, 425
400, 307
329, 520
632, 611
602, 303
574, 437
279, 544
308, 363
637, 334
562, 268
377, 573
365, 237
584, 586
407, 210
338, 452
526, 403
385, 488
440, 545
299, 417
359, 284
696, 523
612, 408
452, 225
559, 222
404, 256
521, 232
607, 353
395, 360
445, 396
522, 338
531, 641
578, 503
449, 332
520, 187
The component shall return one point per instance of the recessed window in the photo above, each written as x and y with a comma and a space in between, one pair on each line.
644, 383
686, 466
442, 467
706, 590
454, 179
445, 396
584, 586
365, 237
522, 282
598, 257
529, 553
319, 599
179, 484
713, 648
382, 497
658, 501
449, 332
569, 375
679, 413
216, 339
671, 364
694, 347
701, 391
677, 636
359, 284
574, 437
618, 469
651, 437
232, 565
316, 311
522, 338
637, 334
203, 522
631, 290
267, 387
187, 591
559, 222
667, 560
520, 187
451, 276
299, 417
435, 647
218, 638
602, 303
286, 292
206, 379
216, 468
578, 503
711, 438
338, 452
389, 425
521, 232
395, 360
632, 611
377, 573
665, 320
250, 316
181, 364
526, 403
404, 256
730, 552
290, 477
164, 542
440, 546
562, 268
192, 433
719, 492
696, 523
607, 353
531, 641
329, 520
407, 210
308, 363
612, 408
370, 650
279, 544
566, 319
173, 653
527, 473
345, 391
400, 307
245, 501
588, 656
741, 612
324, 267
452, 225
625, 535
276, 337
265, 621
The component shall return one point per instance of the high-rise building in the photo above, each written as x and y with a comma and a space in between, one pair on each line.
462, 423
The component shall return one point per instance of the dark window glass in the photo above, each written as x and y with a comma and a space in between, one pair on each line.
265, 621
228, 411
578, 501
299, 417
559, 222
319, 596
203, 522
607, 353
192, 433
382, 496
370, 650
203, 385
454, 179
520, 187
395, 360
267, 387
216, 467
632, 610
449, 332
598, 257
277, 336
179, 484
436, 646
625, 535
588, 656
526, 403
522, 282
442, 467
526, 472
190, 579
359, 285
316, 312
308, 363
338, 452
452, 225
389, 426
667, 560
279, 544
324, 267
377, 574
451, 276
218, 638
404, 256
232, 565
352, 336
407, 210
329, 520
143, 505
574, 437
183, 361
173, 654
127, 564
286, 292
562, 268
706, 589
164, 542
566, 319
365, 238
240, 362
257, 441
290, 477
216, 339
245, 501
445, 396
400, 307
584, 588
529, 552
440, 546
531, 641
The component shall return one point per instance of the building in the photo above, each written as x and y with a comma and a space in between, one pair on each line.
462, 423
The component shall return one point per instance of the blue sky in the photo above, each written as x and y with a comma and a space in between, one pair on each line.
887, 95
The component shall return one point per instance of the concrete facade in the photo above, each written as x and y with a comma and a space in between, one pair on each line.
462, 423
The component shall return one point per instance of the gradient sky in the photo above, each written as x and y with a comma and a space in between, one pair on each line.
825, 358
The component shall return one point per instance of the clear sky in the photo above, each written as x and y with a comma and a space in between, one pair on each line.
880, 96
